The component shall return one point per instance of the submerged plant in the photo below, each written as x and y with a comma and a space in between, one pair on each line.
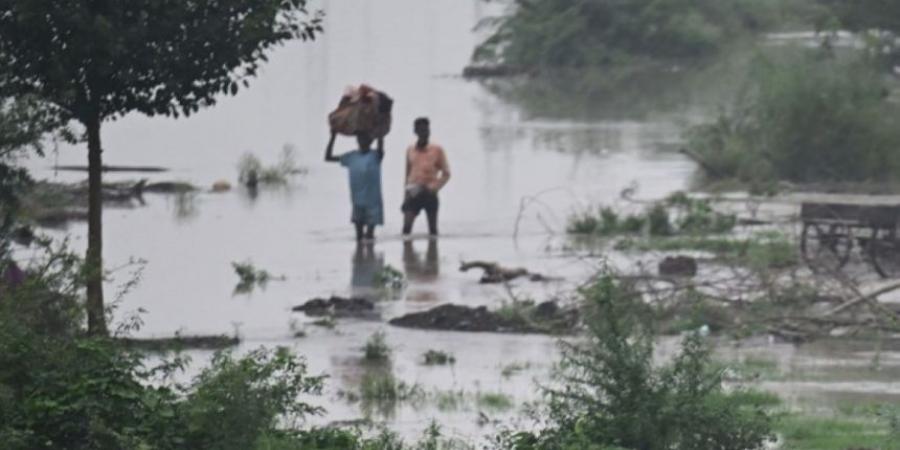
389, 278
249, 277
377, 349
438, 358
252, 172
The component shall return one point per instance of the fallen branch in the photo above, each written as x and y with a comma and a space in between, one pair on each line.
495, 273
861, 299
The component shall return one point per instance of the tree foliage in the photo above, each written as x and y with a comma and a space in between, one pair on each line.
105, 58
611, 395
94, 60
553, 33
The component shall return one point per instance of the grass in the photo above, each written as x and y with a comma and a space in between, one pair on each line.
252, 171
450, 400
494, 401
754, 368
834, 433
762, 250
458, 400
381, 391
325, 322
679, 214
212, 342
376, 349
250, 277
438, 358
514, 368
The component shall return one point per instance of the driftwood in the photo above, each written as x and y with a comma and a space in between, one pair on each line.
113, 168
495, 273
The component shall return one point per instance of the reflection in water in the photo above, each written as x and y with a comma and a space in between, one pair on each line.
424, 271
418, 269
367, 263
185, 206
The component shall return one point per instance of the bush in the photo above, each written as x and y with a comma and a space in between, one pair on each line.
61, 389
807, 119
612, 395
235, 401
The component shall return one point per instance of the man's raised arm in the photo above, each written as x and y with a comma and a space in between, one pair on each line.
329, 150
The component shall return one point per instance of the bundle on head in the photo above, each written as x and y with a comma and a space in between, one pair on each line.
362, 109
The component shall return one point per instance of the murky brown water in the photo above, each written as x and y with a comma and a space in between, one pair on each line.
413, 50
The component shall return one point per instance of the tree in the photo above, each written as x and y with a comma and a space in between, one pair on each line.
23, 125
863, 15
96, 60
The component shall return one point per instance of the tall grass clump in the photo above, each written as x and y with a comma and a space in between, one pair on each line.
376, 349
808, 119
611, 394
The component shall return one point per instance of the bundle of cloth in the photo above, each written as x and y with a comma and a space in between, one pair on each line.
362, 109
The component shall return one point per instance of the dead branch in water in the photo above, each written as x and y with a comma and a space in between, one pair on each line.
495, 273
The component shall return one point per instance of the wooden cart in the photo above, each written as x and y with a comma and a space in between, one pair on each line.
832, 230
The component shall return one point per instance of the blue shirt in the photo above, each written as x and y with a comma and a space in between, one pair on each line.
364, 169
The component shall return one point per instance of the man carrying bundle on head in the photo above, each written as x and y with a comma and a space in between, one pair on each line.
364, 113
427, 171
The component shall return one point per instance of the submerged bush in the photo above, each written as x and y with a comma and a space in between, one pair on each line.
807, 119
612, 395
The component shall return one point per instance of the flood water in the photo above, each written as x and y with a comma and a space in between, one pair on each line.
499, 155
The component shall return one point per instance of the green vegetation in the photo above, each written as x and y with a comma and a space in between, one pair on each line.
512, 369
760, 250
389, 278
613, 395
805, 119
834, 433
578, 33
252, 172
93, 62
325, 322
438, 358
376, 349
679, 214
250, 277
494, 401
381, 392
62, 389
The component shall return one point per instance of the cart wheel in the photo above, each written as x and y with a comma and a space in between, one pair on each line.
884, 249
826, 248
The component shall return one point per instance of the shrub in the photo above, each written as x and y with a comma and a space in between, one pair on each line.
807, 119
61, 389
234, 401
613, 395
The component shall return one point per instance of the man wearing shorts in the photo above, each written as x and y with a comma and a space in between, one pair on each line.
427, 172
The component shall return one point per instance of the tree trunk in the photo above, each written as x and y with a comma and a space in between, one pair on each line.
94, 259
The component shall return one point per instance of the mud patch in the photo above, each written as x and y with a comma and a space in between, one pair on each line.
337, 307
547, 317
